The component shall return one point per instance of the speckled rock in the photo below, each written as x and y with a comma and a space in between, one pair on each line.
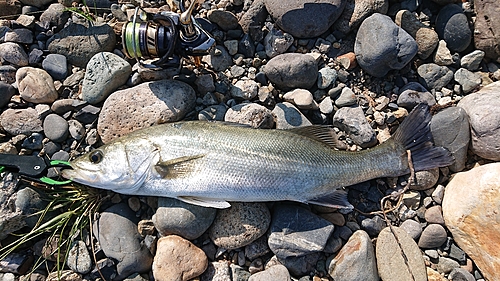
391, 264
13, 53
305, 19
217, 271
239, 225
355, 261
425, 179
21, 121
178, 259
79, 258
433, 76
183, 219
105, 72
482, 108
245, 89
144, 105
487, 28
55, 16
473, 219
36, 85
291, 70
251, 114
79, 43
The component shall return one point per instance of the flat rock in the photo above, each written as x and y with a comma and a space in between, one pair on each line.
433, 236
19, 35
487, 28
252, 114
178, 259
355, 11
13, 53
219, 58
355, 261
303, 18
413, 228
352, 120
453, 27
473, 60
277, 272
482, 108
433, 76
144, 105
467, 79
296, 232
56, 65
105, 73
224, 19
414, 93
472, 219
239, 225
391, 264
119, 239
377, 57
79, 43
55, 128
291, 70
288, 116
21, 121
35, 85
79, 258
186, 220
450, 129
301, 98
55, 17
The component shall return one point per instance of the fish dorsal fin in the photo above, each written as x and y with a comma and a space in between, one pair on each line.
177, 167
336, 199
205, 202
323, 134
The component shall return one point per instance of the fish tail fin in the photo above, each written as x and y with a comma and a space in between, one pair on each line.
415, 135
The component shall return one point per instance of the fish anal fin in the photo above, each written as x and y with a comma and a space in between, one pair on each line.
177, 167
323, 134
205, 202
336, 199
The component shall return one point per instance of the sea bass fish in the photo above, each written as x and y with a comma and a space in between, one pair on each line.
211, 163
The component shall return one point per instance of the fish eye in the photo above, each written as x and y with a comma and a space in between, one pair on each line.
96, 156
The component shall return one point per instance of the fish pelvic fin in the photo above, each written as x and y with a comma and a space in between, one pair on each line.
205, 202
336, 199
414, 134
178, 167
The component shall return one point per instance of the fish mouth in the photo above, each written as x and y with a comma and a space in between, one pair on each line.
79, 175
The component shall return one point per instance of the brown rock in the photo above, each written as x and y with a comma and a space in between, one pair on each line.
177, 259
433, 275
144, 105
487, 27
434, 215
21, 121
36, 85
470, 208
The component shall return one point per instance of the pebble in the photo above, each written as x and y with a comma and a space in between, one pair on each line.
245, 89
346, 98
471, 219
486, 28
219, 59
19, 35
472, 60
7, 73
239, 273
468, 80
452, 26
79, 258
186, 220
21, 121
391, 264
296, 232
481, 107
55, 128
105, 72
426, 38
56, 66
55, 16
425, 179
377, 57
13, 53
33, 142
204, 83
76, 129
414, 93
144, 105
443, 55
326, 106
356, 11
213, 113
355, 261
7, 91
217, 271
303, 19
450, 129
326, 77
224, 19
434, 214
178, 259
79, 43
252, 114
460, 274
239, 225
120, 240
433, 275
291, 70
433, 76
277, 42
64, 275
35, 85
413, 228
373, 226
288, 116
352, 120
301, 98
446, 265
276, 272
433, 236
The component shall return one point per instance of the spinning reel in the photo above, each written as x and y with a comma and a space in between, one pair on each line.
165, 36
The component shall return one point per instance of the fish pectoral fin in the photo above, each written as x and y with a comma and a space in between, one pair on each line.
205, 202
177, 167
323, 134
336, 199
